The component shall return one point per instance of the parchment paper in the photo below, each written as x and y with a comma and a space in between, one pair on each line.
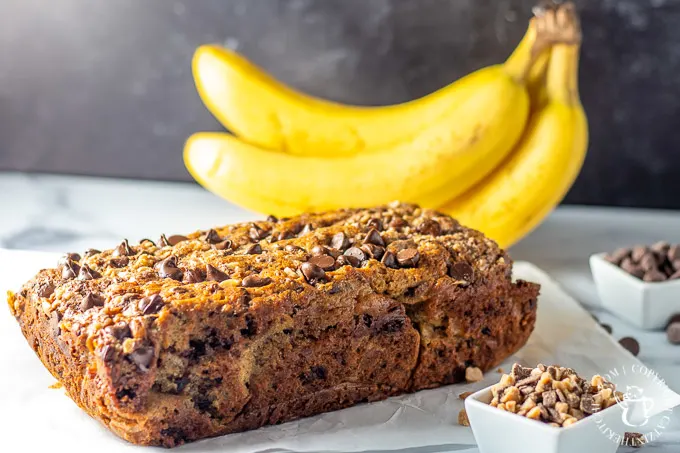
34, 417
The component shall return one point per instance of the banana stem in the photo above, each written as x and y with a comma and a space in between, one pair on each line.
562, 78
519, 64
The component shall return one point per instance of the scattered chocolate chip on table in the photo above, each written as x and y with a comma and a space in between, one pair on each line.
631, 344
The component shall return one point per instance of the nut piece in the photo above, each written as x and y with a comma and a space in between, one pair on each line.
473, 374
464, 395
463, 418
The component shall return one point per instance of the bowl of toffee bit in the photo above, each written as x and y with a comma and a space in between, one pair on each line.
640, 284
546, 409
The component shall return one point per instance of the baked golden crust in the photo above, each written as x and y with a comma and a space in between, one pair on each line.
264, 322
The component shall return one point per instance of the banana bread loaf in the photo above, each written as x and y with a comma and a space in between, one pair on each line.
252, 324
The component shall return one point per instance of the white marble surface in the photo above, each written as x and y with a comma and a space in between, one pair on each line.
55, 213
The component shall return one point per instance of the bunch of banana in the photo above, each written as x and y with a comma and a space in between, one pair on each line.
462, 147
536, 176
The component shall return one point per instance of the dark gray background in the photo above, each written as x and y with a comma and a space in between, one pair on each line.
104, 87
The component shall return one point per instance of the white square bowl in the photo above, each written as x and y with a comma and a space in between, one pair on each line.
498, 431
646, 305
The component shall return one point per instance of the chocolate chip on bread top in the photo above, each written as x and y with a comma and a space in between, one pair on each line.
258, 323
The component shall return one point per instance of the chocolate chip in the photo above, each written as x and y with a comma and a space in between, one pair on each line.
89, 252
618, 255
648, 262
88, 274
119, 331
631, 344
212, 237
163, 241
290, 248
430, 227
397, 223
325, 262
389, 259
355, 252
45, 289
675, 275
254, 249
319, 250
313, 273
257, 233
674, 253
375, 223
141, 241
272, 218
638, 252
254, 281
119, 262
151, 304
55, 318
308, 228
193, 276
142, 357
674, 318
224, 245
69, 257
346, 260
213, 274
673, 332
174, 239
123, 249
285, 234
168, 269
339, 241
408, 257
633, 269
108, 353
373, 251
69, 270
607, 328
91, 300
461, 271
660, 247
319, 372
653, 276
373, 237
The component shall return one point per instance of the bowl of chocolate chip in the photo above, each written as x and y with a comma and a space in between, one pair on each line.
640, 284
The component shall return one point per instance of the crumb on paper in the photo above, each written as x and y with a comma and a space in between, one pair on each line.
464, 395
56, 385
635, 440
500, 371
463, 418
473, 374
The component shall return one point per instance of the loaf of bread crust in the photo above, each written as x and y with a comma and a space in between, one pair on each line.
265, 322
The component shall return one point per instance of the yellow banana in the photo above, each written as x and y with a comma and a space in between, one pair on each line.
266, 113
488, 122
539, 172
